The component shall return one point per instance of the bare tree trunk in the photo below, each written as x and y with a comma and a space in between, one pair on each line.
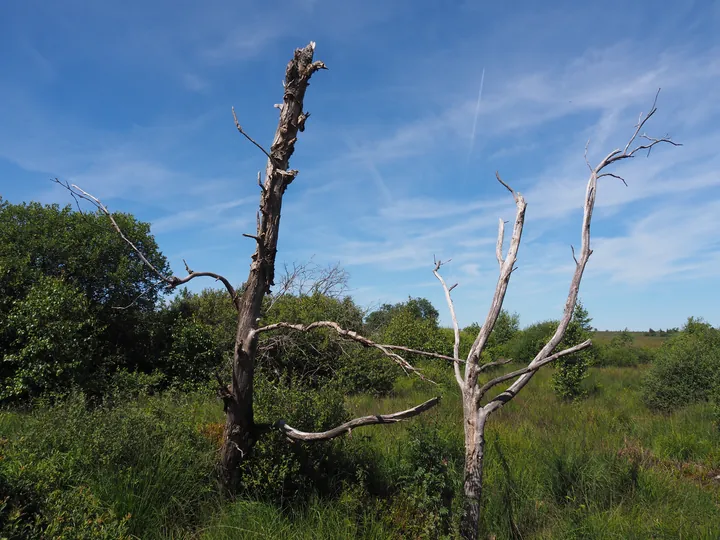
473, 478
240, 429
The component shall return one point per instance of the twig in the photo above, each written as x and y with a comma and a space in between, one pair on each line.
249, 138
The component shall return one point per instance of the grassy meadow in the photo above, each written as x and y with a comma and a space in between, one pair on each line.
601, 467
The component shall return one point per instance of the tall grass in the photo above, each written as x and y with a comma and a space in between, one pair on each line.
603, 467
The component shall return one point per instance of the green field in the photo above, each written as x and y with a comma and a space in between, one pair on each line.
640, 339
604, 467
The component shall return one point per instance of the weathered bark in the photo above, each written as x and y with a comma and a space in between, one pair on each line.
473, 474
240, 432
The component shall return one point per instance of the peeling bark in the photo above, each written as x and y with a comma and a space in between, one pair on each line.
240, 431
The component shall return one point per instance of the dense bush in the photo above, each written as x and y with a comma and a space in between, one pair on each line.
280, 470
525, 344
686, 368
429, 481
195, 353
140, 468
85, 253
51, 337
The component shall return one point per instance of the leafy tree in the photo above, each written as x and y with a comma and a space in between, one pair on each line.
85, 253
572, 369
50, 339
414, 324
417, 308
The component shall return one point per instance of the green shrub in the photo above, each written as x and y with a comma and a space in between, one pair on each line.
194, 355
572, 370
365, 371
686, 368
526, 343
281, 470
429, 478
50, 336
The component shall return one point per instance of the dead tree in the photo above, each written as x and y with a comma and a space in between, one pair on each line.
241, 432
477, 409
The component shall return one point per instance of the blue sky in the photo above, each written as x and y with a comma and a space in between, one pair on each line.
132, 100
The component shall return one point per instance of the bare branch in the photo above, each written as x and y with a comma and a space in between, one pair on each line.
587, 145
488, 365
347, 427
508, 265
423, 353
499, 245
249, 138
456, 328
572, 248
349, 334
173, 281
507, 376
585, 252
511, 190
614, 176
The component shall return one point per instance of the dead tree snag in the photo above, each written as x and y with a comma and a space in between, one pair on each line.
241, 432
475, 412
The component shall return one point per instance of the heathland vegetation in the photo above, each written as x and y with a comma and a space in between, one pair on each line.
111, 426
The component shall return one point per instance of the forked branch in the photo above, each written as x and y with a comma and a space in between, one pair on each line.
543, 356
173, 281
347, 427
507, 267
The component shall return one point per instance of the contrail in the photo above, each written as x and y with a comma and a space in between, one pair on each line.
477, 113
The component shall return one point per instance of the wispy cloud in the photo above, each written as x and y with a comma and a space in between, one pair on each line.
477, 113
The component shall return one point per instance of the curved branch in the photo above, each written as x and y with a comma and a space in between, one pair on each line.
456, 328
507, 376
347, 427
349, 334
423, 353
502, 362
173, 281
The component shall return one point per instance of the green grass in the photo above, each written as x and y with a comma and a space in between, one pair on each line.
603, 467
639, 338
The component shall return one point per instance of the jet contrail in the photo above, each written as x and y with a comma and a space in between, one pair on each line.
477, 113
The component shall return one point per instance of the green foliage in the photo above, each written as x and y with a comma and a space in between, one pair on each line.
211, 308
41, 245
417, 308
139, 468
686, 369
622, 352
320, 358
279, 470
527, 343
412, 324
572, 370
50, 338
428, 482
195, 353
